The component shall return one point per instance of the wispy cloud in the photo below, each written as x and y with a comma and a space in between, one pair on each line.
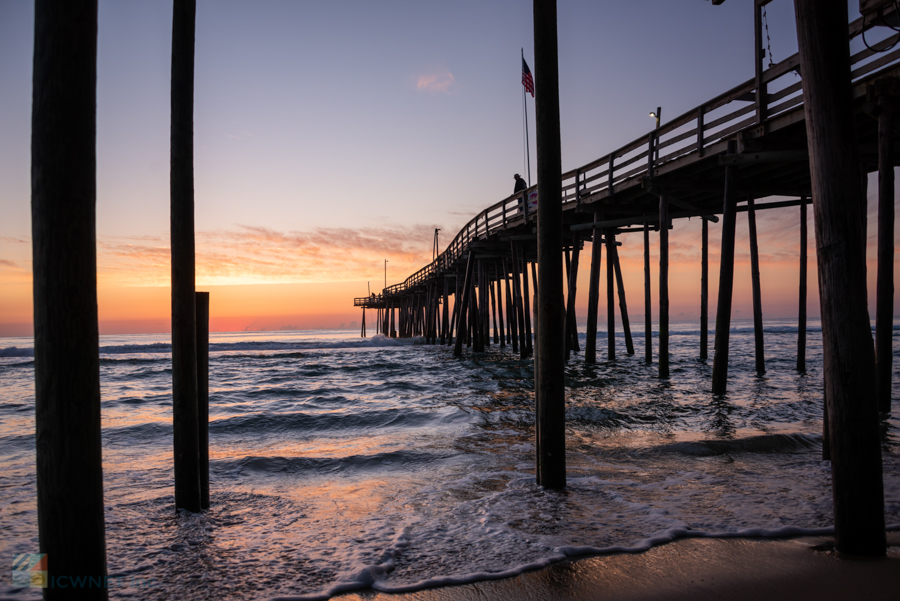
251, 254
437, 81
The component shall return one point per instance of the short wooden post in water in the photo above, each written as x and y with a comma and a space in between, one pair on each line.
704, 290
648, 323
550, 393
67, 442
202, 303
884, 287
855, 441
590, 341
494, 313
184, 331
757, 295
726, 280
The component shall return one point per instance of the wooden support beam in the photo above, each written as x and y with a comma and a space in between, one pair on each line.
856, 466
884, 287
184, 334
704, 291
202, 304
648, 323
70, 516
500, 305
623, 306
757, 295
801, 311
726, 282
567, 328
664, 285
529, 345
445, 321
550, 392
517, 302
464, 305
494, 312
610, 299
511, 316
590, 342
571, 325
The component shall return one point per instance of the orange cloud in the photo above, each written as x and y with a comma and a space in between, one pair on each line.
438, 81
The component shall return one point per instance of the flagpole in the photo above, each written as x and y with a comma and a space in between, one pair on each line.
525, 109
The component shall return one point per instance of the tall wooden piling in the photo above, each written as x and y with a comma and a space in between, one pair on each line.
726, 280
526, 296
849, 369
801, 310
445, 319
184, 334
202, 304
66, 362
664, 284
610, 297
494, 313
648, 322
757, 295
590, 341
517, 302
623, 306
571, 325
884, 287
464, 305
704, 290
511, 315
550, 392
500, 306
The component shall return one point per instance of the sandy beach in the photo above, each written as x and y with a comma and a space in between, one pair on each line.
698, 569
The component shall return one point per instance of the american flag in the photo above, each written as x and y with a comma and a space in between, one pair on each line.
527, 80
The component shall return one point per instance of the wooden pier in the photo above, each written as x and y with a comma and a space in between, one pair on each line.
721, 158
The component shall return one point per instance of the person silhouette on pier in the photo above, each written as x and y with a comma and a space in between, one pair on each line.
520, 183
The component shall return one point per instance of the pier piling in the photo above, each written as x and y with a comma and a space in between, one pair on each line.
884, 287
184, 329
70, 515
857, 487
757, 295
590, 341
726, 280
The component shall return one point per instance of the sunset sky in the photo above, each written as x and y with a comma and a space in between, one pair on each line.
330, 136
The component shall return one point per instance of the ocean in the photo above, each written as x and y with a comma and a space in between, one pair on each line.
340, 463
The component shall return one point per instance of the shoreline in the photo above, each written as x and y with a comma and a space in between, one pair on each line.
797, 568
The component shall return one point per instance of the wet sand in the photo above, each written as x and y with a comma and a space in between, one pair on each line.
797, 569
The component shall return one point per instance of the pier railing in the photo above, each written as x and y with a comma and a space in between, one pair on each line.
689, 137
